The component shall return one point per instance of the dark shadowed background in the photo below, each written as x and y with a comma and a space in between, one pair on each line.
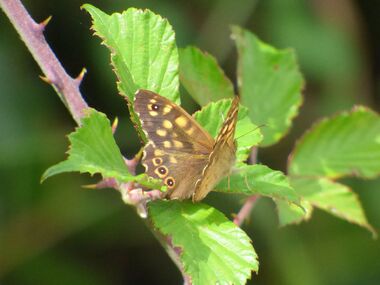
59, 233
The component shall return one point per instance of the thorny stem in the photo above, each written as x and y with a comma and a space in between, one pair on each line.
67, 87
54, 73
253, 156
68, 90
245, 211
174, 253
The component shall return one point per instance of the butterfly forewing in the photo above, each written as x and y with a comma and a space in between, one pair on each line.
169, 126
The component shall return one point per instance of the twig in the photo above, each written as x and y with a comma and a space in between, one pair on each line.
67, 87
173, 252
245, 211
253, 156
32, 35
68, 90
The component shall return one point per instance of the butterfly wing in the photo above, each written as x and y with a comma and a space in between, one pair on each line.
179, 171
222, 157
178, 147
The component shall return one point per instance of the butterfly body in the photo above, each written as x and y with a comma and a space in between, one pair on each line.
179, 151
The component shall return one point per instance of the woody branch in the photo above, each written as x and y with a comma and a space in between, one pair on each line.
54, 73
250, 202
67, 87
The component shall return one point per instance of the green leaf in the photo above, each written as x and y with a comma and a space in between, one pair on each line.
94, 150
143, 48
335, 198
211, 117
269, 83
144, 52
259, 179
347, 144
202, 77
214, 250
292, 214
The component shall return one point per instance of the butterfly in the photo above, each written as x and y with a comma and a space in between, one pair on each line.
179, 151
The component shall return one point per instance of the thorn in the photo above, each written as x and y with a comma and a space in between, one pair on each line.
114, 125
90, 186
105, 183
139, 154
45, 79
79, 78
44, 23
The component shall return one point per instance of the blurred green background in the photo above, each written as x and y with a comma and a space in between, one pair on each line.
59, 233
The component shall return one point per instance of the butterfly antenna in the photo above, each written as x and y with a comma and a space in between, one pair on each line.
258, 127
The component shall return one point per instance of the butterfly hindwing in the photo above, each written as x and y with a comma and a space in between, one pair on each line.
222, 157
179, 177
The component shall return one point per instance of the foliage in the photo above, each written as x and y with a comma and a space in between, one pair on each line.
143, 52
144, 55
214, 249
269, 83
202, 77
344, 145
93, 149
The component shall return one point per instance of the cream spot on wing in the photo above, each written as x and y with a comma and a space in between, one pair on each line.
153, 113
153, 101
167, 144
167, 109
173, 159
144, 154
161, 132
167, 124
190, 131
158, 152
178, 144
181, 121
